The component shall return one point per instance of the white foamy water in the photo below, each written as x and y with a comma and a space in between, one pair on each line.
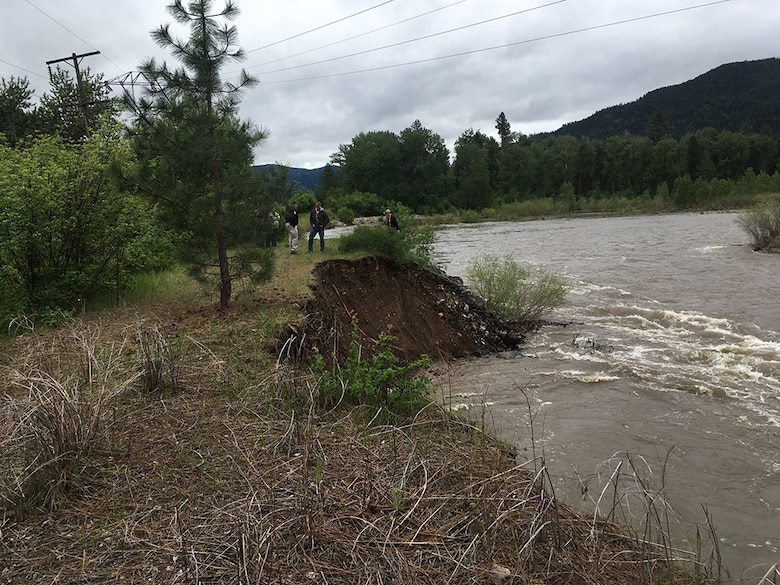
670, 351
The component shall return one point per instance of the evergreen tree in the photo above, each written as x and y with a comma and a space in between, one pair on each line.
328, 181
504, 129
658, 128
64, 111
278, 183
196, 155
15, 115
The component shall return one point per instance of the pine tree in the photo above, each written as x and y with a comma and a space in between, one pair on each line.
504, 129
657, 128
195, 155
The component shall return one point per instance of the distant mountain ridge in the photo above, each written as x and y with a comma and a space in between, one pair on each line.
735, 96
303, 179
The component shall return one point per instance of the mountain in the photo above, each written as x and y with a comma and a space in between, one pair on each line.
304, 179
735, 96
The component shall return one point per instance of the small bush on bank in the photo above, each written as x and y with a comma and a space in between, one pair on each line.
515, 291
346, 215
470, 216
378, 381
412, 243
762, 225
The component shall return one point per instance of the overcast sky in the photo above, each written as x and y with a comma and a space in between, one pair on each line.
330, 69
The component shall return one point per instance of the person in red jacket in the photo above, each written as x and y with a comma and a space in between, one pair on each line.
390, 220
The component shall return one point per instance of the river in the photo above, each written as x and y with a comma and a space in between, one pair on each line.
664, 384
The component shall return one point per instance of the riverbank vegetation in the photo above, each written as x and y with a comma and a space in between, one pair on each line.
762, 224
166, 440
528, 176
86, 213
517, 292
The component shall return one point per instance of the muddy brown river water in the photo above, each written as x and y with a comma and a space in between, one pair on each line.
665, 382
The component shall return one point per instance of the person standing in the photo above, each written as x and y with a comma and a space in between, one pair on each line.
391, 221
318, 220
291, 223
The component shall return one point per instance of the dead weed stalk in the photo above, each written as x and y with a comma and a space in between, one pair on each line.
156, 363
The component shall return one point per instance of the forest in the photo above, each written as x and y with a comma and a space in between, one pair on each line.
709, 143
89, 201
653, 172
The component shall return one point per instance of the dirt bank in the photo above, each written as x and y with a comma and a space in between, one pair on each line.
427, 313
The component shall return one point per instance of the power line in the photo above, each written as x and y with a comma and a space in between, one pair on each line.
504, 46
319, 27
23, 69
55, 21
58, 23
422, 38
363, 34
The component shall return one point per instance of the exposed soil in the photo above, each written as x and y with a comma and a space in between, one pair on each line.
427, 313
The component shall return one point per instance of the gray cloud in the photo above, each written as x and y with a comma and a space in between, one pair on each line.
547, 75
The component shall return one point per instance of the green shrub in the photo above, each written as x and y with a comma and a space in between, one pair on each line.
762, 224
413, 243
70, 231
515, 292
470, 216
378, 381
306, 201
360, 203
346, 215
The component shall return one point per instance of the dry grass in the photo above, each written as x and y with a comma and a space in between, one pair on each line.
232, 477
206, 490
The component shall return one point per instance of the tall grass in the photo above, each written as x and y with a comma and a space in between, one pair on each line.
173, 283
53, 414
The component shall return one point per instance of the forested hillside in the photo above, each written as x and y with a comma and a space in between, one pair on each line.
734, 97
306, 179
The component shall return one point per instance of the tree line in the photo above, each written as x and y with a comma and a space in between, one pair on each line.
705, 168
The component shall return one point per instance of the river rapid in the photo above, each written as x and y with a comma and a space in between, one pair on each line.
664, 381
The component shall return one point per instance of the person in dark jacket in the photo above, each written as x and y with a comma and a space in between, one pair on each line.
291, 223
391, 221
318, 220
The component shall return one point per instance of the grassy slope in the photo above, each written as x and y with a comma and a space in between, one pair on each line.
234, 478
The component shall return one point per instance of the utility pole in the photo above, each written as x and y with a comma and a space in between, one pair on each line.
82, 96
